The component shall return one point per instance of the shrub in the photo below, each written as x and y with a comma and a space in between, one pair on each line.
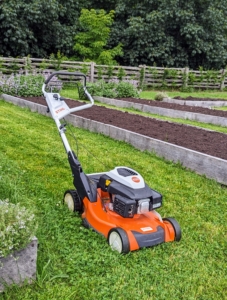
114, 89
125, 89
56, 60
27, 84
17, 227
102, 89
160, 96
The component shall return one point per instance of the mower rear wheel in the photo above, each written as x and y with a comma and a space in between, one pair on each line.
176, 227
73, 201
118, 240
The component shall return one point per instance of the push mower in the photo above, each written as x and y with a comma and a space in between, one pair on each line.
118, 203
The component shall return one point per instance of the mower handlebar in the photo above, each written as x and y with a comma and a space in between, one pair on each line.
65, 73
49, 96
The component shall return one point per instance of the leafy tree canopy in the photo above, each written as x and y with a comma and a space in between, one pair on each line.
172, 32
39, 27
92, 40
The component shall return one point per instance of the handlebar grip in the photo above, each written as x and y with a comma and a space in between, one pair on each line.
65, 73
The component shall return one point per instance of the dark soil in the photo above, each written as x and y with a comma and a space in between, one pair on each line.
208, 142
200, 99
195, 109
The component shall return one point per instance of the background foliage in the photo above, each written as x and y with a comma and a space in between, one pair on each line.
172, 32
166, 33
38, 28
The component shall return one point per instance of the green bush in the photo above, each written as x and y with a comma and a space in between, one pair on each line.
17, 227
102, 89
125, 89
30, 85
113, 89
26, 85
22, 85
160, 96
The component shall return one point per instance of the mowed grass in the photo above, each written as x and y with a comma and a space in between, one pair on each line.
150, 94
76, 263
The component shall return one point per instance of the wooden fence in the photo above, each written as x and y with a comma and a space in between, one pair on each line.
153, 77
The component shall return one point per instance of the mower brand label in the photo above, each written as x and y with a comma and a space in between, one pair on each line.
146, 229
135, 179
59, 110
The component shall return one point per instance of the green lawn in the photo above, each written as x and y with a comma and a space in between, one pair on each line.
76, 263
197, 94
150, 94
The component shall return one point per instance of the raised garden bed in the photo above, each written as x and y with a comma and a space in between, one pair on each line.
175, 110
194, 102
200, 150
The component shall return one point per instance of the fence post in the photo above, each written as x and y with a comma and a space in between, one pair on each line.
185, 77
222, 85
142, 72
92, 72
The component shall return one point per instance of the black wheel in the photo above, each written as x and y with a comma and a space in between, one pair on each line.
118, 240
176, 227
85, 223
73, 201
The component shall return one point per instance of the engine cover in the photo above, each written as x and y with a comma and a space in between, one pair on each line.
127, 177
130, 194
124, 207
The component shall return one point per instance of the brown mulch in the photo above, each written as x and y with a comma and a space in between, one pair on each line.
208, 142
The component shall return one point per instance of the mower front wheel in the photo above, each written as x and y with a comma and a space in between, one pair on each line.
118, 240
73, 201
175, 226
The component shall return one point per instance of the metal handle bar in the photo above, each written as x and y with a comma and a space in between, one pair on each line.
65, 73
68, 111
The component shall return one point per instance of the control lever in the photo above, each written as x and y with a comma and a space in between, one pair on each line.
55, 96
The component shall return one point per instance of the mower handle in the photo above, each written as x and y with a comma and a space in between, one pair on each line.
67, 111
65, 73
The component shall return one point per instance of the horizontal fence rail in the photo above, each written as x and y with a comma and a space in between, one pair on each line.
153, 77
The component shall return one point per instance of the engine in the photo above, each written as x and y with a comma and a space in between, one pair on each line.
127, 207
130, 194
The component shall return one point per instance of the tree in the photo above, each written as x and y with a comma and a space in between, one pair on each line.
172, 32
107, 5
92, 40
38, 28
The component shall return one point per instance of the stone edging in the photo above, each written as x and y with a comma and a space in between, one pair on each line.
19, 266
207, 104
165, 111
213, 167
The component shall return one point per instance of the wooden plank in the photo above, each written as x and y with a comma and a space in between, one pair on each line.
153, 76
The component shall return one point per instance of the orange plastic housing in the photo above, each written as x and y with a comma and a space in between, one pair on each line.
102, 219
